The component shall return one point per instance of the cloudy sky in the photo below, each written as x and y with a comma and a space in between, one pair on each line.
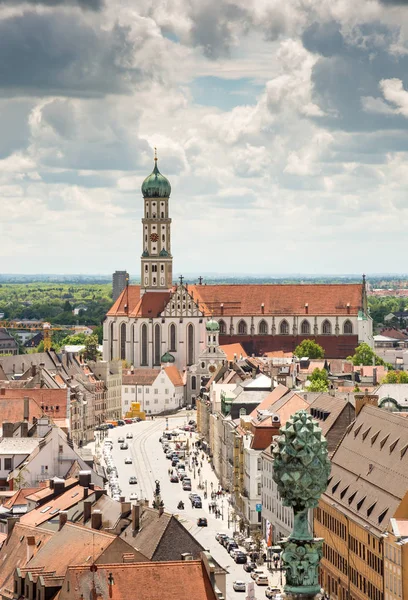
281, 125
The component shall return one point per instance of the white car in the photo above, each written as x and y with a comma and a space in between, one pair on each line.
239, 586
129, 436
133, 496
128, 460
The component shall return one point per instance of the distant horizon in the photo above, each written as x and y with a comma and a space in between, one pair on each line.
213, 274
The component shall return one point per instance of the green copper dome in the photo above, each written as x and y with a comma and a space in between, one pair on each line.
168, 358
212, 325
156, 185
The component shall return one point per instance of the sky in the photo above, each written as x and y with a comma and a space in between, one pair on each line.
281, 125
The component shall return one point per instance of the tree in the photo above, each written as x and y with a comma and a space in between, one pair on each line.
365, 356
309, 348
99, 332
91, 350
318, 381
67, 306
396, 377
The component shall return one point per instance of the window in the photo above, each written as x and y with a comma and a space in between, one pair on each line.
7, 464
172, 337
305, 328
347, 327
132, 390
126, 390
156, 391
263, 328
190, 344
193, 382
147, 390
111, 341
259, 464
157, 349
326, 328
223, 327
156, 401
284, 328
143, 358
166, 391
242, 328
259, 489
147, 403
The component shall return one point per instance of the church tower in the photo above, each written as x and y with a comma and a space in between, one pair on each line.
157, 262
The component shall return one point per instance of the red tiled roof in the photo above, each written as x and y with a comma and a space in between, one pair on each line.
150, 305
19, 497
234, 351
278, 354
322, 299
140, 377
263, 434
174, 375
129, 297
181, 580
40, 402
394, 333
267, 402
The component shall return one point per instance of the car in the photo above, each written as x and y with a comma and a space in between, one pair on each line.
169, 455
191, 496
121, 422
240, 558
129, 436
192, 422
128, 421
239, 586
128, 460
197, 503
186, 486
262, 580
133, 496
132, 480
221, 537
124, 447
231, 545
174, 462
234, 551
272, 592
174, 479
181, 474
249, 566
202, 522
256, 572
121, 440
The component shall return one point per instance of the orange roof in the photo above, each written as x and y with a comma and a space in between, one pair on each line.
174, 375
174, 580
267, 402
19, 497
278, 354
129, 297
41, 401
129, 303
322, 299
234, 351
294, 404
43, 492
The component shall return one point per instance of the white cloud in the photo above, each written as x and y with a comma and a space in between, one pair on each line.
394, 92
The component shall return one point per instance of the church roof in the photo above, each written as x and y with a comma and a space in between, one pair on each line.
247, 300
322, 299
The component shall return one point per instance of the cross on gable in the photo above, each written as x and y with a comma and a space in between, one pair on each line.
181, 279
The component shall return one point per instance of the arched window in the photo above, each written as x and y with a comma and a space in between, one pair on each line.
123, 341
193, 382
263, 328
111, 341
242, 328
172, 337
305, 328
143, 338
284, 328
326, 327
190, 344
157, 346
132, 351
223, 327
348, 327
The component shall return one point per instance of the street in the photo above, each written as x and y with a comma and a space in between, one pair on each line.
150, 464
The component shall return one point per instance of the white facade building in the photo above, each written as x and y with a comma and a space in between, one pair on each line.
273, 510
157, 390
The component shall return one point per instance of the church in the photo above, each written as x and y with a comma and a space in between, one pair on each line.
162, 319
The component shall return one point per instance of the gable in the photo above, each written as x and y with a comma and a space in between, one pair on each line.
176, 540
182, 304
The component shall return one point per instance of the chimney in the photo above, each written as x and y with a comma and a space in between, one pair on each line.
186, 556
375, 381
362, 400
8, 429
59, 486
11, 521
91, 486
63, 516
96, 519
87, 510
263, 308
306, 308
33, 370
24, 429
136, 513
86, 490
26, 408
84, 478
125, 508
30, 546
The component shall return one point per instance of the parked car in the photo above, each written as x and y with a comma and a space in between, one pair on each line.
132, 480
256, 572
272, 592
124, 447
174, 479
128, 460
181, 474
240, 558
121, 422
186, 486
129, 436
234, 551
128, 421
121, 440
218, 536
174, 462
133, 496
231, 545
239, 586
262, 580
197, 503
202, 522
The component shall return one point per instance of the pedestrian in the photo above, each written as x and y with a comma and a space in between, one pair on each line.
209, 507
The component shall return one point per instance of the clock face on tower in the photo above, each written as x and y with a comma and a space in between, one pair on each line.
154, 237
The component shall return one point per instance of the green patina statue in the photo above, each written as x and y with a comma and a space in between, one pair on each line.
301, 470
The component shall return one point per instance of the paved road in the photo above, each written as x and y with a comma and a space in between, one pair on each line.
149, 464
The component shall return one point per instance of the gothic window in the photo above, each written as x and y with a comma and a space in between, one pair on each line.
190, 344
242, 328
284, 328
223, 327
305, 328
193, 382
157, 345
162, 215
347, 327
111, 341
133, 345
173, 337
263, 328
143, 337
326, 327
123, 341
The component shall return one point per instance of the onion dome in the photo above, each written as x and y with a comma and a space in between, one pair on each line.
212, 325
156, 185
168, 358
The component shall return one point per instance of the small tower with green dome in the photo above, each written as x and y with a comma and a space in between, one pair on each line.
212, 331
156, 261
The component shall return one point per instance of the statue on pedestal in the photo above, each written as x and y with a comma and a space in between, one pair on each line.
301, 470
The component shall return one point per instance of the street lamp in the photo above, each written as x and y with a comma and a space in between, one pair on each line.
222, 509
